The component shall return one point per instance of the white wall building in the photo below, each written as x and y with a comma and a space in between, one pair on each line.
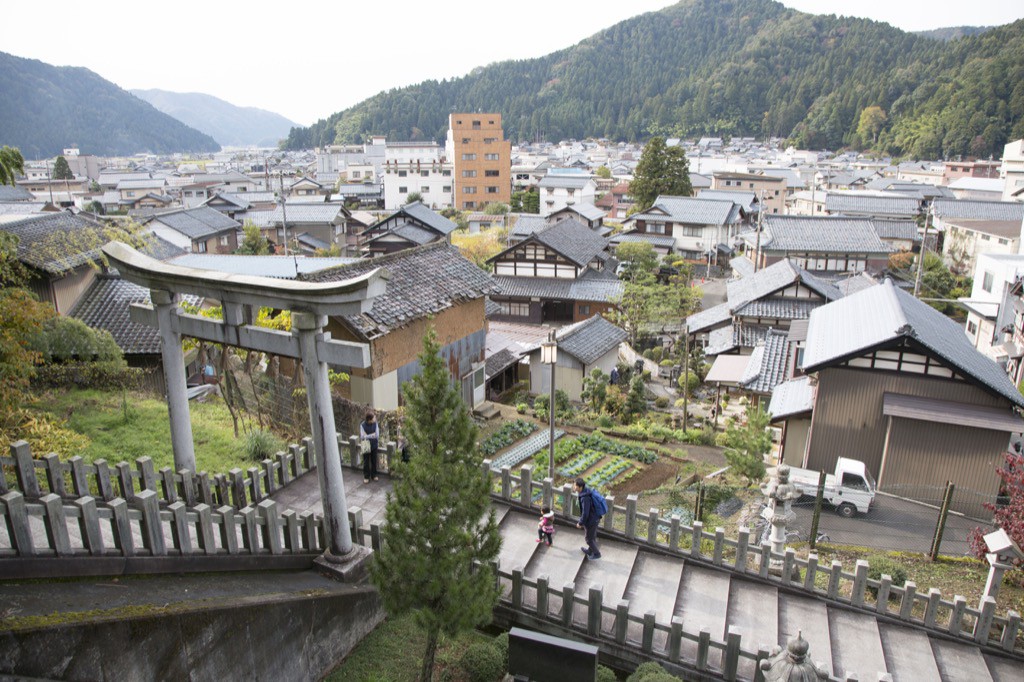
989, 308
433, 181
558, 190
1012, 171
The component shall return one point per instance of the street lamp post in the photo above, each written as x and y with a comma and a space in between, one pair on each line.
549, 356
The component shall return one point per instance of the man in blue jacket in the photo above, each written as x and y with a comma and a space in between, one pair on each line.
589, 519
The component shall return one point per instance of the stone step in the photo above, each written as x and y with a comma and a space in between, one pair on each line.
612, 573
518, 532
500, 512
856, 644
809, 617
653, 586
908, 654
957, 661
754, 609
1004, 669
560, 563
704, 603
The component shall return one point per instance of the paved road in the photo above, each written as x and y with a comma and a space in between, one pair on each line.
891, 524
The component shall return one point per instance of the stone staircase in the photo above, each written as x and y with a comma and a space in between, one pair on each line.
851, 644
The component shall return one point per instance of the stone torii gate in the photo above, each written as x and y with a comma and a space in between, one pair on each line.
241, 297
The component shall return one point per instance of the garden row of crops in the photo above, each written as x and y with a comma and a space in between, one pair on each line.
619, 469
580, 464
567, 449
509, 433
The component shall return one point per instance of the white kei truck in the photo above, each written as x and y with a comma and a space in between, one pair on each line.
851, 489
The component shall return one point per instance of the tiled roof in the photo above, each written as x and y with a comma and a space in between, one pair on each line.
773, 364
1006, 229
693, 211
197, 223
883, 314
792, 398
773, 278
305, 213
905, 230
745, 199
528, 224
705, 319
742, 266
499, 361
435, 221
720, 341
869, 204
410, 232
979, 210
586, 211
778, 308
664, 241
360, 190
851, 285
589, 340
9, 193
564, 181
572, 239
812, 234
596, 290
260, 219
735, 336
229, 197
105, 305
424, 281
311, 242
45, 239
21, 207
151, 183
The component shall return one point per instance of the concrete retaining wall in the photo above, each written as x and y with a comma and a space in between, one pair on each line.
289, 638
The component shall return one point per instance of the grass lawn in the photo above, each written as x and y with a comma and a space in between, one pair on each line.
394, 653
100, 415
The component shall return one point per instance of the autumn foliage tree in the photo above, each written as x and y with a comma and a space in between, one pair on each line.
1008, 516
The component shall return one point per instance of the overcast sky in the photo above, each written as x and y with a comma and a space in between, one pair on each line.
309, 59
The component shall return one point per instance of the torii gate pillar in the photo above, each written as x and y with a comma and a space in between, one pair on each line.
174, 374
309, 327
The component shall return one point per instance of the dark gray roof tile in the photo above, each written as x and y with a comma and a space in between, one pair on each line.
813, 234
589, 340
197, 223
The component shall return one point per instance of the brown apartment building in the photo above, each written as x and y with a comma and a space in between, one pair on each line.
483, 160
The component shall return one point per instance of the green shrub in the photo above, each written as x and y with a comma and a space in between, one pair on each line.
657, 353
651, 672
521, 408
501, 644
648, 354
605, 422
661, 401
99, 375
605, 674
680, 402
879, 564
690, 384
542, 406
482, 662
667, 362
259, 445
646, 376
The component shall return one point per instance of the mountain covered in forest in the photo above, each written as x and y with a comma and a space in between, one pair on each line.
730, 67
953, 32
230, 125
46, 108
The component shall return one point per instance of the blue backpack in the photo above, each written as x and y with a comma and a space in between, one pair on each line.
597, 499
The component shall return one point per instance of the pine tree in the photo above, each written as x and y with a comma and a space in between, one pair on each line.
747, 444
439, 530
61, 169
661, 170
636, 401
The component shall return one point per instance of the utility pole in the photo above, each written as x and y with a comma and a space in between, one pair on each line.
921, 252
49, 181
284, 214
686, 375
757, 250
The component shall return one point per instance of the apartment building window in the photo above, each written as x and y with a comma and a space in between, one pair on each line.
469, 173
492, 190
468, 204
403, 190
986, 282
491, 173
469, 190
490, 140
469, 157
424, 188
465, 140
402, 174
490, 157
446, 188
424, 174
984, 237
446, 174
476, 125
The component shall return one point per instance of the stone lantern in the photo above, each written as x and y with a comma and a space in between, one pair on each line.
1002, 553
791, 664
779, 510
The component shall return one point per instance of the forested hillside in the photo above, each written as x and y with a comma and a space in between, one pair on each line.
45, 108
730, 67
